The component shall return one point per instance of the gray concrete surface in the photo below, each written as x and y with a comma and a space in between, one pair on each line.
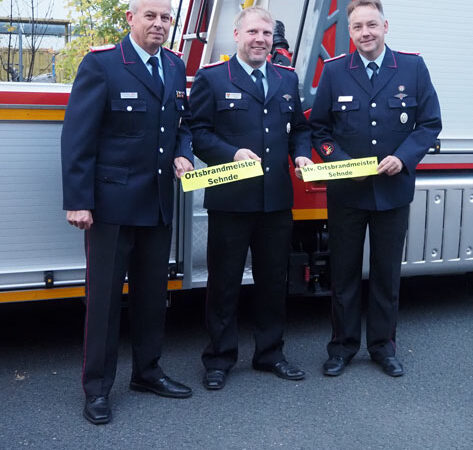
431, 407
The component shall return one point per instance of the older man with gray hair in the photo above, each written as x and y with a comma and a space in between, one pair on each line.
124, 139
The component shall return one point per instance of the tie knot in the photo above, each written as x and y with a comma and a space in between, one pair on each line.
373, 66
257, 74
153, 60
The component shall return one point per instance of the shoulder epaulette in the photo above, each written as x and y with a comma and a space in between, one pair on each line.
285, 67
409, 53
213, 64
177, 53
335, 58
102, 48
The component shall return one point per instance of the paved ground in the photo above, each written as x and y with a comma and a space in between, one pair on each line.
431, 407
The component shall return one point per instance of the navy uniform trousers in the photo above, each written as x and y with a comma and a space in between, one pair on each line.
268, 235
347, 230
111, 252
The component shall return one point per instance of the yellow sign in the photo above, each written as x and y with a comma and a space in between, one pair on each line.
221, 174
349, 168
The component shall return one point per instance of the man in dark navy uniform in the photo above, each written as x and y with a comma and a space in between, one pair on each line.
374, 102
124, 130
242, 109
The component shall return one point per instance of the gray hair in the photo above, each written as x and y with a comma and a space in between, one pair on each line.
133, 5
258, 10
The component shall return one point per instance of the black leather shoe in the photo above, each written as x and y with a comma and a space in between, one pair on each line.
335, 366
97, 410
163, 386
215, 379
391, 366
282, 369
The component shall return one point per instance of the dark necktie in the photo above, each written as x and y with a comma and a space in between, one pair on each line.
153, 60
259, 82
374, 67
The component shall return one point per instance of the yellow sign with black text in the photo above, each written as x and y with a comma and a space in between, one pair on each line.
350, 168
221, 174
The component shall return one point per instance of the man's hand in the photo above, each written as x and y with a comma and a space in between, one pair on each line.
81, 219
301, 161
245, 153
391, 165
181, 166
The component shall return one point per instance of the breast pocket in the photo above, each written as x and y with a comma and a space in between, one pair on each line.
181, 106
231, 115
287, 107
128, 116
402, 113
346, 116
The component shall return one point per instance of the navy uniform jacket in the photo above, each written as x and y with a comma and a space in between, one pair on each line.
228, 114
399, 115
120, 137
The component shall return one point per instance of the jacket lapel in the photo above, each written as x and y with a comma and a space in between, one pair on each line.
357, 70
274, 81
386, 72
241, 79
169, 69
135, 66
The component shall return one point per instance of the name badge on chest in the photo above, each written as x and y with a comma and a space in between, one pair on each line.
233, 95
127, 95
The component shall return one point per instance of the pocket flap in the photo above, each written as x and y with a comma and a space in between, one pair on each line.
180, 105
128, 105
406, 102
111, 174
231, 105
346, 106
287, 107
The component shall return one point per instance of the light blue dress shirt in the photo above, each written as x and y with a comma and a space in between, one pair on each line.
378, 61
144, 56
248, 69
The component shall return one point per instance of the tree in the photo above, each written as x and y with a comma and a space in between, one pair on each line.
95, 22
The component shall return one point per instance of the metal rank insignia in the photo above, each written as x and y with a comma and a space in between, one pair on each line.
403, 118
401, 88
400, 96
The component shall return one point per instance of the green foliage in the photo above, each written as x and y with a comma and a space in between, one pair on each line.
95, 22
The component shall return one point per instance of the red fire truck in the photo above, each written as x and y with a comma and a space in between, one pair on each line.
41, 256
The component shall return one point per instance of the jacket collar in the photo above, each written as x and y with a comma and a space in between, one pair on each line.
387, 70
239, 77
133, 63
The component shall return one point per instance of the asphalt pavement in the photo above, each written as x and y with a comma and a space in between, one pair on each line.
430, 407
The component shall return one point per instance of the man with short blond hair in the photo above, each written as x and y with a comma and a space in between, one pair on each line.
372, 3
245, 109
124, 140
373, 102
